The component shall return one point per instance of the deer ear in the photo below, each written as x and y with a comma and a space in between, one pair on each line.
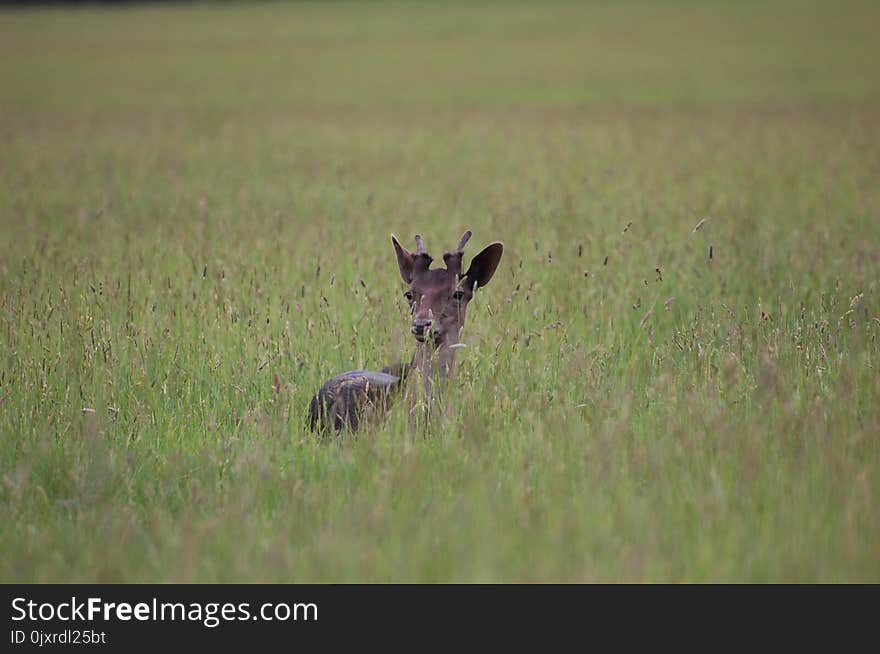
404, 260
483, 265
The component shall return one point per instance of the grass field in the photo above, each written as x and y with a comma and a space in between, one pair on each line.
195, 208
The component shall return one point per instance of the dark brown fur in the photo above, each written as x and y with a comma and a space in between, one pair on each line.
343, 400
438, 299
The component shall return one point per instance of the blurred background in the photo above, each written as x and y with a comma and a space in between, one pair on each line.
672, 376
211, 59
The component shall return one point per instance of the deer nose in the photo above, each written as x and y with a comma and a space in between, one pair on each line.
420, 326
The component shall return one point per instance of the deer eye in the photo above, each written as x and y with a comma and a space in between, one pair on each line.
458, 296
409, 296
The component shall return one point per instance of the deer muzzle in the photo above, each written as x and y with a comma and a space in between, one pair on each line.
421, 329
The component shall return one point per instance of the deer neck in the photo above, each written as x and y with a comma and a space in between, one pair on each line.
433, 364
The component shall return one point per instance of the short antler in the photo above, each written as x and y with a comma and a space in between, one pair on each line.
422, 260
453, 259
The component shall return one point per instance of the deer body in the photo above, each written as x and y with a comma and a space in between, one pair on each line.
438, 300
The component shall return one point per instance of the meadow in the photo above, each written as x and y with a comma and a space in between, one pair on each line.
672, 377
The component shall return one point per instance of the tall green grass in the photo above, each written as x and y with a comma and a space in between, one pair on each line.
195, 205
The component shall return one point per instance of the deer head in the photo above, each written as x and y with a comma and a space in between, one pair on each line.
438, 297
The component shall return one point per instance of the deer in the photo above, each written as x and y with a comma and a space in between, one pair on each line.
438, 299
